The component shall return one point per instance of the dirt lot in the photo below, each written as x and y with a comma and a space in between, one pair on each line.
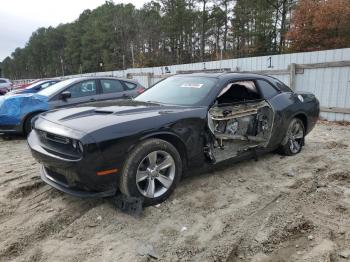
276, 209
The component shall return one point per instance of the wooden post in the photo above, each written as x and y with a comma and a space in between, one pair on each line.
292, 75
149, 79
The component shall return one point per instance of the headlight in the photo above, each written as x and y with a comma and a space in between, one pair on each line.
74, 144
77, 145
81, 147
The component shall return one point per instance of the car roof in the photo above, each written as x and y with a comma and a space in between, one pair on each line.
82, 78
228, 75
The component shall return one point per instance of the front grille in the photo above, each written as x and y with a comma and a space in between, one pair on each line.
54, 138
58, 178
65, 178
58, 145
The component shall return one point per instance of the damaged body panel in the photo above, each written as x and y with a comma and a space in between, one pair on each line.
188, 121
237, 128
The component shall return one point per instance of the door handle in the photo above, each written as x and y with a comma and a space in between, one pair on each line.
92, 99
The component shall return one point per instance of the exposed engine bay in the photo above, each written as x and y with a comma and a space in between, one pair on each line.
237, 128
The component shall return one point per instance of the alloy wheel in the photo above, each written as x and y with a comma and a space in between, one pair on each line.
155, 174
296, 135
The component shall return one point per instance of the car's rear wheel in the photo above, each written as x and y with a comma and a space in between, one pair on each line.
151, 171
294, 139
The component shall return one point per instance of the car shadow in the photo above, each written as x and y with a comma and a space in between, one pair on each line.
9, 137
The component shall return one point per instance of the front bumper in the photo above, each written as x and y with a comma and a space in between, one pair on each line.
77, 177
50, 180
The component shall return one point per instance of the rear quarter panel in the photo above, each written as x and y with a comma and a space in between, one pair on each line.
287, 105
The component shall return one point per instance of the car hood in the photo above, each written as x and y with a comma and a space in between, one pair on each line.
14, 107
122, 117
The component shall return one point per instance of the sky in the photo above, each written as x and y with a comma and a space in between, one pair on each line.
19, 18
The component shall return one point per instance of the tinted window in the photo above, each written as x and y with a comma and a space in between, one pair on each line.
130, 86
179, 90
87, 88
2, 81
267, 89
46, 84
111, 86
51, 90
36, 84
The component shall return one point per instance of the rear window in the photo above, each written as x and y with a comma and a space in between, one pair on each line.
281, 86
130, 86
267, 89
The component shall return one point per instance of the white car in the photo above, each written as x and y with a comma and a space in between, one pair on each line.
5, 86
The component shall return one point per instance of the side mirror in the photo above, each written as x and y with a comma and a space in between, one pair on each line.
65, 95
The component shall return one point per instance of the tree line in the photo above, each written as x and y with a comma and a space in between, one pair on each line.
119, 36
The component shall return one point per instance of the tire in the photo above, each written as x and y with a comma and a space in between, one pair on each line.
294, 139
27, 127
151, 171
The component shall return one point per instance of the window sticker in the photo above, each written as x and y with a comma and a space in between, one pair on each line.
192, 85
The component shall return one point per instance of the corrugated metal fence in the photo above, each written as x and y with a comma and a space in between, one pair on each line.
324, 73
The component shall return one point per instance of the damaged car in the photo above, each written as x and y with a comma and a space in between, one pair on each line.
141, 147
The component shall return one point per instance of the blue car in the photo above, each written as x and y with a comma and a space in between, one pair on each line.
18, 111
35, 87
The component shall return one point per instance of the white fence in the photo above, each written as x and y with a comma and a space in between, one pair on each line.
324, 73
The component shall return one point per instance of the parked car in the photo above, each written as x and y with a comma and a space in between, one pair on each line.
35, 87
142, 146
17, 111
24, 85
5, 86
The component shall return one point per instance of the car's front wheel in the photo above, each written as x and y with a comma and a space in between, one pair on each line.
27, 127
294, 139
151, 171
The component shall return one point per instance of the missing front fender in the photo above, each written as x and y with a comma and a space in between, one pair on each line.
238, 128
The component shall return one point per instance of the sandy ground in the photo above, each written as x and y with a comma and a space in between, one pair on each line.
276, 209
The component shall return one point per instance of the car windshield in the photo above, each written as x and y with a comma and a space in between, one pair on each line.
56, 87
35, 84
179, 90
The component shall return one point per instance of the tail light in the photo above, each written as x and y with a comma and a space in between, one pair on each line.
141, 90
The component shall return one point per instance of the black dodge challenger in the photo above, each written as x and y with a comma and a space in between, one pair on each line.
142, 146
